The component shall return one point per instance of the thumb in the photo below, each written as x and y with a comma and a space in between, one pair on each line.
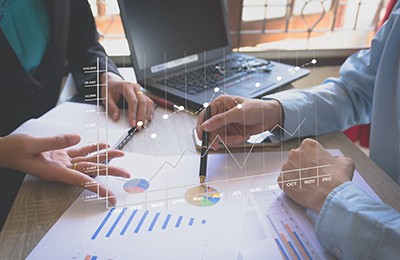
54, 142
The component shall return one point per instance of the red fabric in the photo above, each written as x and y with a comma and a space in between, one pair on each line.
389, 9
361, 132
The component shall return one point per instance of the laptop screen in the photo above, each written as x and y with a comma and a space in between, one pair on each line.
166, 34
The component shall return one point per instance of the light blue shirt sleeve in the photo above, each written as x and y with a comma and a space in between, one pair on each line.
342, 102
352, 225
335, 105
367, 91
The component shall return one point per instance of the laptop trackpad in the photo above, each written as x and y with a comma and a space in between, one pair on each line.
250, 87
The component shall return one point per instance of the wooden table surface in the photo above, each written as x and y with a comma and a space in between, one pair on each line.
40, 204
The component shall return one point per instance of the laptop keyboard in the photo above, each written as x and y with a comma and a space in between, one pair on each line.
213, 75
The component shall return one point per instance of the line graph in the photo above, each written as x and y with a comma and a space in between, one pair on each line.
177, 161
219, 90
218, 138
134, 185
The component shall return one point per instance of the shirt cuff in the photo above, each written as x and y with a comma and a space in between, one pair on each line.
339, 227
294, 118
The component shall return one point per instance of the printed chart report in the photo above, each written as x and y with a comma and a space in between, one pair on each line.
239, 214
275, 228
88, 231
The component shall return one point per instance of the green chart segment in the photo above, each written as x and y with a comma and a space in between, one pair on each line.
202, 196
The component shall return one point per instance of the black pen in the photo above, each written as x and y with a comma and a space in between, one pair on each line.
204, 149
126, 139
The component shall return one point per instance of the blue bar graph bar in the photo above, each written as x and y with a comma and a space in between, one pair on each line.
166, 221
294, 250
276, 231
301, 243
128, 222
141, 221
191, 221
178, 222
203, 221
154, 221
281, 248
115, 223
93, 257
102, 224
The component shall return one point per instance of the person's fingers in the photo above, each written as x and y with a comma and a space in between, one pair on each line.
223, 112
349, 165
149, 109
79, 179
216, 106
228, 138
286, 173
294, 159
132, 100
113, 94
231, 135
219, 120
83, 151
289, 171
344, 159
142, 108
234, 140
213, 141
235, 129
280, 179
99, 158
43, 144
93, 169
309, 143
113, 109
102, 191
200, 120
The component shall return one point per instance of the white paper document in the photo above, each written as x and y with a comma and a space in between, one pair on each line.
163, 213
87, 120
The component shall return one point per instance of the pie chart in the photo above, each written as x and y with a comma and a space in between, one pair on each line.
136, 185
202, 196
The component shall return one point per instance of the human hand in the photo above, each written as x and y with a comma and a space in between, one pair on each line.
45, 158
235, 119
140, 107
310, 154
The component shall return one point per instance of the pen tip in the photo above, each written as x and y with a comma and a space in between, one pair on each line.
202, 178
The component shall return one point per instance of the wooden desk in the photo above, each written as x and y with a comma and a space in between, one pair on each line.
39, 204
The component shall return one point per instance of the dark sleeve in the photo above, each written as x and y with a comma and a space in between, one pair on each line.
83, 45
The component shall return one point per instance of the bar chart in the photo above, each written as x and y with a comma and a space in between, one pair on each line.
287, 234
288, 241
134, 221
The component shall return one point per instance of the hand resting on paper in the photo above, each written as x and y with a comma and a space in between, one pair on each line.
46, 158
309, 155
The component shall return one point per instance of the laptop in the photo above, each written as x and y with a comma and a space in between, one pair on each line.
181, 50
